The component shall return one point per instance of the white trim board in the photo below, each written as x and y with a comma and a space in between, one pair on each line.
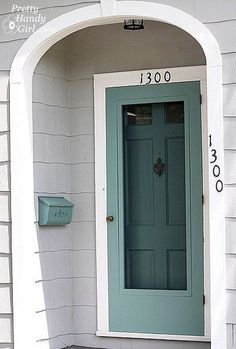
153, 336
24, 241
132, 78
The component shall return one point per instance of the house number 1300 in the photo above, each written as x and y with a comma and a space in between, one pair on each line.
216, 168
154, 78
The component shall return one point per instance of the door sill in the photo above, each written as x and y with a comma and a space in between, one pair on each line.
154, 336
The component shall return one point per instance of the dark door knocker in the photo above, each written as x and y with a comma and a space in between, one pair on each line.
159, 167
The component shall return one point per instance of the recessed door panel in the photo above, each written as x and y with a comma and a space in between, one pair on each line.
139, 181
175, 181
176, 269
140, 269
153, 171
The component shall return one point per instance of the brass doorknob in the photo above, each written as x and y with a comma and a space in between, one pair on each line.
110, 219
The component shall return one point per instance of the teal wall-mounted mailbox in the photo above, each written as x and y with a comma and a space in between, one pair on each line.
54, 210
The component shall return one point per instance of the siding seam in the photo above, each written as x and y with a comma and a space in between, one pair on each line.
2, 315
4, 284
81, 106
88, 221
66, 306
49, 105
52, 76
229, 83
62, 163
62, 193
65, 278
10, 41
61, 135
54, 105
220, 21
66, 250
7, 343
228, 52
65, 334
78, 79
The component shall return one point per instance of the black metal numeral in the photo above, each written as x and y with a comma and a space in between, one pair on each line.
213, 151
167, 76
141, 78
210, 142
157, 77
219, 186
216, 171
149, 78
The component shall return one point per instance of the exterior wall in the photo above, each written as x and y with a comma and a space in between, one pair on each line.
9, 45
52, 177
6, 335
220, 18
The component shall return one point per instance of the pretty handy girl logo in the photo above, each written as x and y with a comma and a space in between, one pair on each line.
23, 19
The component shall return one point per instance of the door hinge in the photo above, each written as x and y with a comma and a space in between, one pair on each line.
200, 97
203, 199
203, 300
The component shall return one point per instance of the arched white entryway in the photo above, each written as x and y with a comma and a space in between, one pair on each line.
23, 215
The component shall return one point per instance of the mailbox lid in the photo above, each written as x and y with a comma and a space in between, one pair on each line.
55, 201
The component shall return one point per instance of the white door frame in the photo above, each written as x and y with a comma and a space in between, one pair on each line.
24, 241
132, 78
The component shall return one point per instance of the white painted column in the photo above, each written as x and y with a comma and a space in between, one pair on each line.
23, 216
216, 210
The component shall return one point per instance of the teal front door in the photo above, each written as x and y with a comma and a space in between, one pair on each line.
154, 208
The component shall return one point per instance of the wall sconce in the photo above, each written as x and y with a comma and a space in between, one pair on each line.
133, 24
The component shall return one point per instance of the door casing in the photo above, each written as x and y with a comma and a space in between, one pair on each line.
102, 81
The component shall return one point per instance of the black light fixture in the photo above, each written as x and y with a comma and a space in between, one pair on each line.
133, 24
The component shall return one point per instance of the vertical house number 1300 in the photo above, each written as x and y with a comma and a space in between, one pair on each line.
216, 168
